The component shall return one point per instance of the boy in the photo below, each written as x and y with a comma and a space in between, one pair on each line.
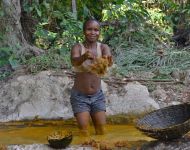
87, 98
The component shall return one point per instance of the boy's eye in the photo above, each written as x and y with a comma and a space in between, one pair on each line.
91, 29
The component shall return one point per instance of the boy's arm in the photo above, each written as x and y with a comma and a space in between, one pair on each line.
76, 58
106, 53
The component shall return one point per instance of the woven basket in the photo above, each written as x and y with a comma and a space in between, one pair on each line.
166, 123
60, 143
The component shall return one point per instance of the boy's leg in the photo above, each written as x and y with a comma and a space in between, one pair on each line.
99, 121
83, 122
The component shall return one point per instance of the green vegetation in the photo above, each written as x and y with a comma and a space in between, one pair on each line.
136, 31
50, 60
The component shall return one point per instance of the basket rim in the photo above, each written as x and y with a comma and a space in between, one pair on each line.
68, 137
162, 129
147, 129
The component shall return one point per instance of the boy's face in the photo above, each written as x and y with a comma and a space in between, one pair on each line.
92, 31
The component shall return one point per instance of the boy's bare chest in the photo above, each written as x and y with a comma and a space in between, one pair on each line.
92, 50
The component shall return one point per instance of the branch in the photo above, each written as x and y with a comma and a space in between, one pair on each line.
144, 81
125, 81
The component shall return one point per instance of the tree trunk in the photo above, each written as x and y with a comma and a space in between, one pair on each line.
11, 27
74, 8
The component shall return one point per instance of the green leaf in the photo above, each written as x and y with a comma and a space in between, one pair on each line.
3, 62
57, 14
14, 62
5, 50
47, 5
1, 13
85, 11
120, 1
38, 11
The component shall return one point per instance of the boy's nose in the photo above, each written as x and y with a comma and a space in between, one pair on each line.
93, 32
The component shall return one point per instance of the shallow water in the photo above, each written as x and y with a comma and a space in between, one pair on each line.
37, 132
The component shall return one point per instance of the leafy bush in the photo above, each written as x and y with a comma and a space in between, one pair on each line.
56, 32
50, 60
135, 43
142, 27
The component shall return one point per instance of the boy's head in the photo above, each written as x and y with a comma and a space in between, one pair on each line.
91, 29
89, 21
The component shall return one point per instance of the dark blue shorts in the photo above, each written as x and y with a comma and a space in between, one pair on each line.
87, 103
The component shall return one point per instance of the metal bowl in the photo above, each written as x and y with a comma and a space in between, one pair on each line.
167, 123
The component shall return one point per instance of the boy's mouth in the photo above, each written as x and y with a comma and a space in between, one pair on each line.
92, 37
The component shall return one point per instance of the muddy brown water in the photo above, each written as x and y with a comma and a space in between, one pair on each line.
30, 132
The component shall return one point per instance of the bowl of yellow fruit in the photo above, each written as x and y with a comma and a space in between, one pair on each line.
59, 139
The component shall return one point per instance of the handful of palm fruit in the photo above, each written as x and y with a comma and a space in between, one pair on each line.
58, 135
60, 139
99, 67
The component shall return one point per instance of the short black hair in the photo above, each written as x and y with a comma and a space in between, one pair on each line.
89, 20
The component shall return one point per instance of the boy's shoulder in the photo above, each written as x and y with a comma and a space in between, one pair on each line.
103, 45
76, 45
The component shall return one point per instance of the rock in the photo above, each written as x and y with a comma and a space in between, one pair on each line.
39, 95
185, 95
47, 96
44, 147
177, 144
159, 94
135, 99
174, 103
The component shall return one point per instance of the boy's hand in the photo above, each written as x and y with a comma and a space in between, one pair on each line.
110, 60
88, 55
